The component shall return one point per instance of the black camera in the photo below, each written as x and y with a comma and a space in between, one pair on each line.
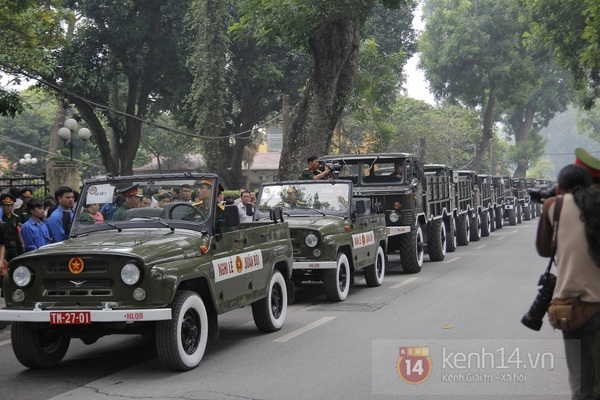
333, 167
534, 317
539, 194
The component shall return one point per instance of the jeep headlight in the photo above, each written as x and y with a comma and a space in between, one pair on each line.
394, 217
311, 240
130, 274
22, 276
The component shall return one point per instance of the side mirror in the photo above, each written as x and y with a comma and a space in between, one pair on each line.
360, 207
276, 214
455, 177
249, 210
232, 216
415, 182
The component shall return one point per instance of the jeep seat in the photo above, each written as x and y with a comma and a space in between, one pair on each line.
147, 212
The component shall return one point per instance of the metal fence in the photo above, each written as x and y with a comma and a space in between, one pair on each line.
37, 184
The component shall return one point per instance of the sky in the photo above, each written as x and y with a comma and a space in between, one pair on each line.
416, 85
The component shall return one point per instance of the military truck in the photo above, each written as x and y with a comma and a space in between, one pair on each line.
335, 234
487, 203
503, 199
518, 202
417, 207
162, 272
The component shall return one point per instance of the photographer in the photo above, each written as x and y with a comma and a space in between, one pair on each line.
578, 258
313, 172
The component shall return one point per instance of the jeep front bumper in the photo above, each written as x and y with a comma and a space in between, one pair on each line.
69, 316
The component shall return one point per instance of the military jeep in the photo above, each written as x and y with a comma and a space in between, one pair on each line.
333, 233
165, 272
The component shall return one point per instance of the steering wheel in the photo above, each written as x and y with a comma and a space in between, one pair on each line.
190, 215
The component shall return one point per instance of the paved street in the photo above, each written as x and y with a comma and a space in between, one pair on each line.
459, 320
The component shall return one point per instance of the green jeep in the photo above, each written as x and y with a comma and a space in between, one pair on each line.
165, 271
333, 233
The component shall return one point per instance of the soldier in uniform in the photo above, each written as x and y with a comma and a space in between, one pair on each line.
131, 199
23, 212
291, 199
88, 215
14, 244
205, 198
313, 172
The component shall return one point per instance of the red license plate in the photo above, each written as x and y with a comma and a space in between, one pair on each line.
70, 318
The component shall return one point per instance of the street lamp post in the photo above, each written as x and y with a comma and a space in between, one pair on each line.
27, 160
66, 134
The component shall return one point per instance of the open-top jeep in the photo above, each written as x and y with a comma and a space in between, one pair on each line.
333, 233
165, 271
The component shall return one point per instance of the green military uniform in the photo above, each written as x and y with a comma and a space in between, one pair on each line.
23, 214
11, 236
120, 213
308, 174
86, 218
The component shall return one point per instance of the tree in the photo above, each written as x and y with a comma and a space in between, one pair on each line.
28, 28
571, 28
330, 32
473, 53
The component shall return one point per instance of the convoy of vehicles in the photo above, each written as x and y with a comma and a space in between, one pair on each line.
168, 272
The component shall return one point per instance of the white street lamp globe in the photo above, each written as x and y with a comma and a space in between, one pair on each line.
34, 160
64, 133
27, 155
71, 124
84, 134
22, 161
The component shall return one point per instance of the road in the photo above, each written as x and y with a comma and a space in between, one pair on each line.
457, 323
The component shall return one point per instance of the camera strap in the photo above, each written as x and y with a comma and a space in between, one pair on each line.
557, 209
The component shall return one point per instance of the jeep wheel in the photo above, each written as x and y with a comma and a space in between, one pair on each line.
411, 250
519, 213
462, 230
374, 273
512, 216
36, 348
492, 219
336, 282
486, 225
181, 341
527, 213
450, 234
499, 217
269, 313
436, 240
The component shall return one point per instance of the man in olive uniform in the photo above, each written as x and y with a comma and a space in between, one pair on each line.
14, 245
23, 212
88, 214
313, 172
205, 198
131, 199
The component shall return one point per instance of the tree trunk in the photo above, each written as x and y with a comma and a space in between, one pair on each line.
334, 50
488, 122
522, 123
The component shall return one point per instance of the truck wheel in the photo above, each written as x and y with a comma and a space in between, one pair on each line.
374, 273
411, 251
337, 281
486, 225
519, 213
36, 348
436, 240
181, 341
450, 234
476, 228
527, 213
492, 219
462, 230
512, 216
499, 217
269, 313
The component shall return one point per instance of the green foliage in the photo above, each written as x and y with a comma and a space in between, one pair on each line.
588, 123
571, 29
541, 169
11, 103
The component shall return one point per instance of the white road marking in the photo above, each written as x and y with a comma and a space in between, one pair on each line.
404, 282
451, 260
3, 342
500, 237
480, 247
302, 330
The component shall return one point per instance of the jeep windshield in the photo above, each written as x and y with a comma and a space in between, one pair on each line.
152, 201
372, 171
305, 198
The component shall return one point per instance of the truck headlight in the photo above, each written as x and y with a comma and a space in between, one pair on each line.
311, 240
130, 274
22, 276
394, 217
